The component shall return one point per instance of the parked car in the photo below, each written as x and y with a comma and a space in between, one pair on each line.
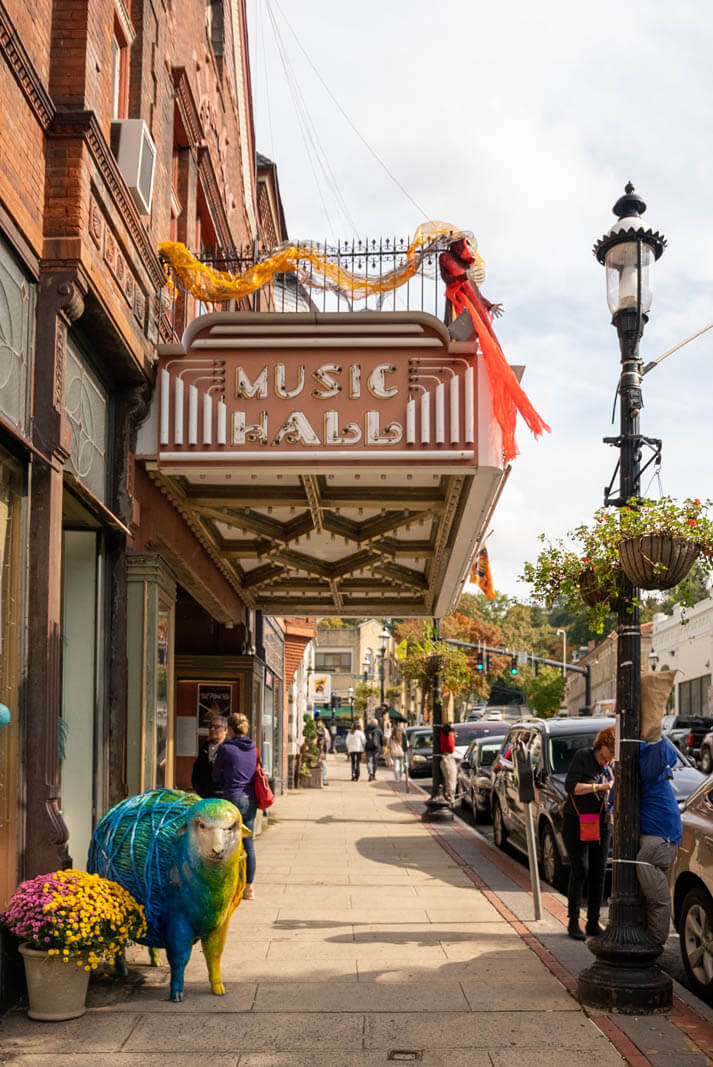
475, 776
687, 732
465, 732
705, 757
691, 882
419, 754
552, 744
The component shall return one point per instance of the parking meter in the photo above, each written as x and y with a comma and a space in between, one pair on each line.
524, 775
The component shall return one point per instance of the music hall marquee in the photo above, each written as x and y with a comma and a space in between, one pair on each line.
331, 463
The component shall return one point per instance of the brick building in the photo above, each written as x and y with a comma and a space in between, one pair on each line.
124, 123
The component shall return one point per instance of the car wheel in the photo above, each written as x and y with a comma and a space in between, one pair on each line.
499, 832
706, 760
696, 934
552, 866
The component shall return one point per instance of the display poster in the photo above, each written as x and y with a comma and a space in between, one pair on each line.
213, 699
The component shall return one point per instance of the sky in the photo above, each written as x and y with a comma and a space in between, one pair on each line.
521, 122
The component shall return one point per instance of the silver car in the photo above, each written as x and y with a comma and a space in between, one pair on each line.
691, 883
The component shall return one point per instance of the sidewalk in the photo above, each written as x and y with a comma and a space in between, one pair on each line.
373, 939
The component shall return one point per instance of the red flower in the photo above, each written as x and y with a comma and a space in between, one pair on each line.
696, 503
692, 522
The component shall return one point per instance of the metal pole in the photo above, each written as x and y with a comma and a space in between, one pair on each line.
437, 808
532, 860
625, 976
383, 658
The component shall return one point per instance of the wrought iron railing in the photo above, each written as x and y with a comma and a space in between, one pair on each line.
310, 289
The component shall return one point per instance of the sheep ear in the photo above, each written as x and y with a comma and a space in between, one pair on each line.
244, 832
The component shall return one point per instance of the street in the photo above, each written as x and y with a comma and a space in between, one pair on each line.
670, 960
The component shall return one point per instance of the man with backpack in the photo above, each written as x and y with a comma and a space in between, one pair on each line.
374, 744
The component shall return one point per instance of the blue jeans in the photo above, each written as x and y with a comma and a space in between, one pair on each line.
247, 807
372, 758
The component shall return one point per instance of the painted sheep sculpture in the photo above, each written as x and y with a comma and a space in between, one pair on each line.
183, 858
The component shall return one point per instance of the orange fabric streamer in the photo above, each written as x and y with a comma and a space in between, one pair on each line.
480, 574
508, 395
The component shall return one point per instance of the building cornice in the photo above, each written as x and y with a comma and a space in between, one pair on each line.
24, 71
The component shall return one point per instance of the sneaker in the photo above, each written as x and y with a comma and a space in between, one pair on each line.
574, 930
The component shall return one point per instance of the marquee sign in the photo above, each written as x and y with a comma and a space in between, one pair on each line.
330, 463
285, 390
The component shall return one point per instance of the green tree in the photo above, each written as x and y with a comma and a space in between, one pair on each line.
544, 691
362, 695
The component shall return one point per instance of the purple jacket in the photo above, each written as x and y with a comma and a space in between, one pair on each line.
234, 767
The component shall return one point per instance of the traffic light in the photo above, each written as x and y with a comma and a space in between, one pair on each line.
479, 665
513, 665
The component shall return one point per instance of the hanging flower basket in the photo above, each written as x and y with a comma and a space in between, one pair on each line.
594, 591
657, 561
652, 543
434, 664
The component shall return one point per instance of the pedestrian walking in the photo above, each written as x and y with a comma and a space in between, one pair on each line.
396, 751
449, 770
373, 745
356, 743
585, 829
201, 776
234, 773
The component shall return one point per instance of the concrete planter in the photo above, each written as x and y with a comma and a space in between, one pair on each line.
55, 990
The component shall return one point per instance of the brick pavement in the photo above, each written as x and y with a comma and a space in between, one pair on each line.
373, 939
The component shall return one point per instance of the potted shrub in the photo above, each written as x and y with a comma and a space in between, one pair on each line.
310, 775
653, 544
68, 922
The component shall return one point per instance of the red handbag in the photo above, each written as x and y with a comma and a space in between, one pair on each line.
264, 795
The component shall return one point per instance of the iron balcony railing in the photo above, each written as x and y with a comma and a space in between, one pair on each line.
310, 290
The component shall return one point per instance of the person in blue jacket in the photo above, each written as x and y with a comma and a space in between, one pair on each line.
660, 835
234, 776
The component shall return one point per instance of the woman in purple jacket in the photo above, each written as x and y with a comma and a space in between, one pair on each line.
234, 774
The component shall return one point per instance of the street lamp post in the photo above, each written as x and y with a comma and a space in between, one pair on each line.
625, 977
564, 651
437, 807
384, 639
350, 699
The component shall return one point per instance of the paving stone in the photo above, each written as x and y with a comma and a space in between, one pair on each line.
369, 996
485, 1030
248, 1033
452, 1058
93, 1033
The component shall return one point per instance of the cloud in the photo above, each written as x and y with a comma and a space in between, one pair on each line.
523, 122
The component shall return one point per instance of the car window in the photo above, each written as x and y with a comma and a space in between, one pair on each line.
421, 741
563, 747
488, 752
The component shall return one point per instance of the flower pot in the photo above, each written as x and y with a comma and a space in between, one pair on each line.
639, 557
55, 990
593, 592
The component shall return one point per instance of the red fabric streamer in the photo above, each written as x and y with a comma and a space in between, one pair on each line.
508, 396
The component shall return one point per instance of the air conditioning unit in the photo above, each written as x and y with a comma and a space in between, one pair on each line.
135, 153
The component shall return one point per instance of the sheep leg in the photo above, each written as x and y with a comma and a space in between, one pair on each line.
213, 946
178, 953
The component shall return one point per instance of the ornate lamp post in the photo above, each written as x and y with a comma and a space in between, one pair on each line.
437, 807
384, 637
350, 698
625, 977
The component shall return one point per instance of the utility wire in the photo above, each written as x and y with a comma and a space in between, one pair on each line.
331, 95
309, 129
